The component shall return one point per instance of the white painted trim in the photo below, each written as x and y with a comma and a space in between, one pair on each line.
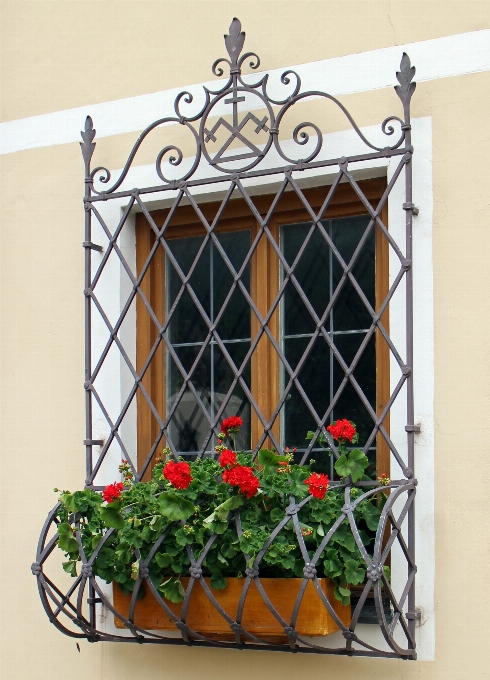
452, 55
113, 289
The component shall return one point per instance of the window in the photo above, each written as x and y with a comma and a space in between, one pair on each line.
288, 377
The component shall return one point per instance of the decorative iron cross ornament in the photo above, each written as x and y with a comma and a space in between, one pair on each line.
234, 44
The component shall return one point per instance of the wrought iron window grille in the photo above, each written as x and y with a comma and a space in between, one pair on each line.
74, 611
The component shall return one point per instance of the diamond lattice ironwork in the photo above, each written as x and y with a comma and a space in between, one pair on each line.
238, 147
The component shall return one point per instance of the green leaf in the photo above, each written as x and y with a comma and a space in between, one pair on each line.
345, 538
173, 550
366, 538
111, 516
320, 530
231, 503
277, 515
67, 542
123, 555
163, 559
288, 561
175, 507
96, 540
267, 457
218, 582
342, 594
228, 551
342, 467
270, 460
146, 533
172, 589
332, 564
70, 567
120, 576
183, 538
358, 463
387, 572
216, 527
66, 498
371, 515
354, 573
321, 439
352, 464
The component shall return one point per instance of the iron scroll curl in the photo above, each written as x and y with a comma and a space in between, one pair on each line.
232, 94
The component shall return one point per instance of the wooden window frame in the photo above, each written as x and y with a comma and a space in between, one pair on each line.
264, 284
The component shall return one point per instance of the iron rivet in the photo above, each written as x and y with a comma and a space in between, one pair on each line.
309, 571
292, 509
195, 572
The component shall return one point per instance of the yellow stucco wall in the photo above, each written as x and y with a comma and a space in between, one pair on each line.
62, 54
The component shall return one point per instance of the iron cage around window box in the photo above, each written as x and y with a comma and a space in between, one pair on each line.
238, 152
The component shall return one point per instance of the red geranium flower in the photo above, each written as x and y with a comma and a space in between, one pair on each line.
231, 424
178, 474
113, 492
342, 429
227, 458
317, 484
243, 477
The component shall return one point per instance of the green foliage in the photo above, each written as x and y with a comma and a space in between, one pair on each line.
342, 594
222, 511
172, 589
111, 516
67, 541
175, 507
188, 518
352, 464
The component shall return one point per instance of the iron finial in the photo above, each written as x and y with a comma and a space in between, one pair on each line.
405, 76
234, 41
88, 144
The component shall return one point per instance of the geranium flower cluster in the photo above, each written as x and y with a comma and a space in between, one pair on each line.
342, 430
227, 458
178, 474
235, 474
317, 484
112, 492
231, 425
243, 477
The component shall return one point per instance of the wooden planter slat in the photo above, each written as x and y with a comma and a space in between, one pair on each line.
313, 618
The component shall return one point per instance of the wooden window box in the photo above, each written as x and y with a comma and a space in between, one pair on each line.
313, 618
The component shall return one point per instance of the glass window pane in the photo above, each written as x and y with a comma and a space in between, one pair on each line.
319, 272
312, 272
212, 376
187, 323
235, 320
350, 312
